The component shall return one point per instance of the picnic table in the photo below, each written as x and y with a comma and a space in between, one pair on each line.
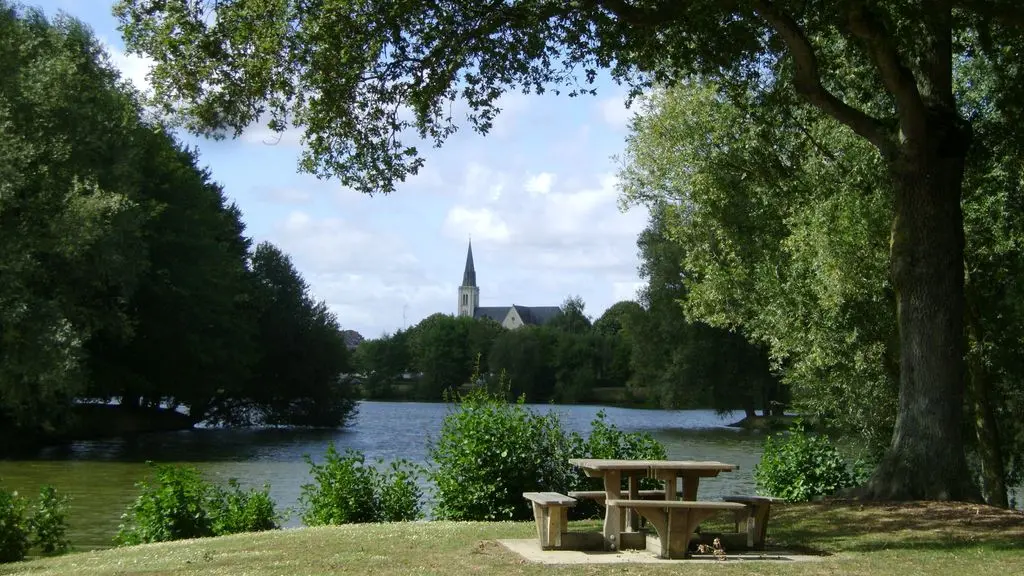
672, 517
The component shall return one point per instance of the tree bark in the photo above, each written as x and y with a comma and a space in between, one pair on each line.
993, 473
926, 459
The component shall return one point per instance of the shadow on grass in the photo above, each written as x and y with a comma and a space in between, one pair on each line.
844, 525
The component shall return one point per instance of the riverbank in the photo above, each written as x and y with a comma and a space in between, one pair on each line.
871, 539
764, 423
97, 421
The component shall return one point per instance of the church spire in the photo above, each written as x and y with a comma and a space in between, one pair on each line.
469, 276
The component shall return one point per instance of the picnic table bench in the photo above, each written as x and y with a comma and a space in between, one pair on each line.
674, 520
551, 513
756, 511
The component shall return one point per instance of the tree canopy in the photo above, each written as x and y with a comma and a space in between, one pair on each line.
362, 78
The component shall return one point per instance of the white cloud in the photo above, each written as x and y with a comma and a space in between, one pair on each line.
368, 277
540, 183
480, 223
133, 67
481, 182
614, 112
626, 290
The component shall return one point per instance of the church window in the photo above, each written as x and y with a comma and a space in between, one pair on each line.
465, 299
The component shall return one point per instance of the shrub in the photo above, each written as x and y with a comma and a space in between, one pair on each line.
48, 522
174, 508
608, 441
14, 529
348, 490
800, 465
182, 505
236, 510
400, 496
490, 451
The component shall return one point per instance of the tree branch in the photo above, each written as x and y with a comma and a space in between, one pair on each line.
897, 78
646, 16
807, 80
1007, 12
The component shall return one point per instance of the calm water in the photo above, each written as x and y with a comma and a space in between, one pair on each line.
99, 475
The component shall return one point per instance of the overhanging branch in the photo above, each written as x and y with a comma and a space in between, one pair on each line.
1005, 12
807, 80
897, 78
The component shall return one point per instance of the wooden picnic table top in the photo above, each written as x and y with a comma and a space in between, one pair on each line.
613, 464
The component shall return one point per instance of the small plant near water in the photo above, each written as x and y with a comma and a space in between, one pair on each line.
14, 531
43, 530
346, 489
491, 450
801, 465
181, 505
49, 522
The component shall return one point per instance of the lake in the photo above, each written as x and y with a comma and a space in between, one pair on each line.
99, 475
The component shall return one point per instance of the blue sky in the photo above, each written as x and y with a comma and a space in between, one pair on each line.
538, 194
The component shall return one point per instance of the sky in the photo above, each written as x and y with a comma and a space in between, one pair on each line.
538, 195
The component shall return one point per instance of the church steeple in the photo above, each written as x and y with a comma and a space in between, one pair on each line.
469, 294
469, 275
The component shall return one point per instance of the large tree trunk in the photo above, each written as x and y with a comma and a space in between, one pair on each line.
993, 473
926, 459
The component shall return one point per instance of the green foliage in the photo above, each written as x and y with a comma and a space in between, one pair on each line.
235, 510
175, 507
490, 451
180, 504
345, 489
608, 441
14, 528
48, 522
800, 465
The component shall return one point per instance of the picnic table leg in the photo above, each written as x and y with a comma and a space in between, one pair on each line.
612, 514
690, 483
632, 516
669, 478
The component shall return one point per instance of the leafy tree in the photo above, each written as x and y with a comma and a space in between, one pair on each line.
571, 317
382, 363
300, 377
616, 317
191, 311
881, 69
441, 353
525, 357
69, 230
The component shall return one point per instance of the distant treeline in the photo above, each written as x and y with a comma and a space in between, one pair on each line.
126, 274
632, 354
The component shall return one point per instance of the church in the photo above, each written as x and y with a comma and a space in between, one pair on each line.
511, 317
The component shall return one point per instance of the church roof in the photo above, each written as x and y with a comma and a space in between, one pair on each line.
535, 315
469, 275
496, 313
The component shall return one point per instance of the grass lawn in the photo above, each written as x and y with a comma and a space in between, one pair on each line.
875, 539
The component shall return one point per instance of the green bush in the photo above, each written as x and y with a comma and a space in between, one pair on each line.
182, 505
14, 528
490, 451
800, 465
175, 508
608, 441
44, 530
236, 510
348, 490
48, 523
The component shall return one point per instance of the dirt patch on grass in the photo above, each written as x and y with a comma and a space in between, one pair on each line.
855, 525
